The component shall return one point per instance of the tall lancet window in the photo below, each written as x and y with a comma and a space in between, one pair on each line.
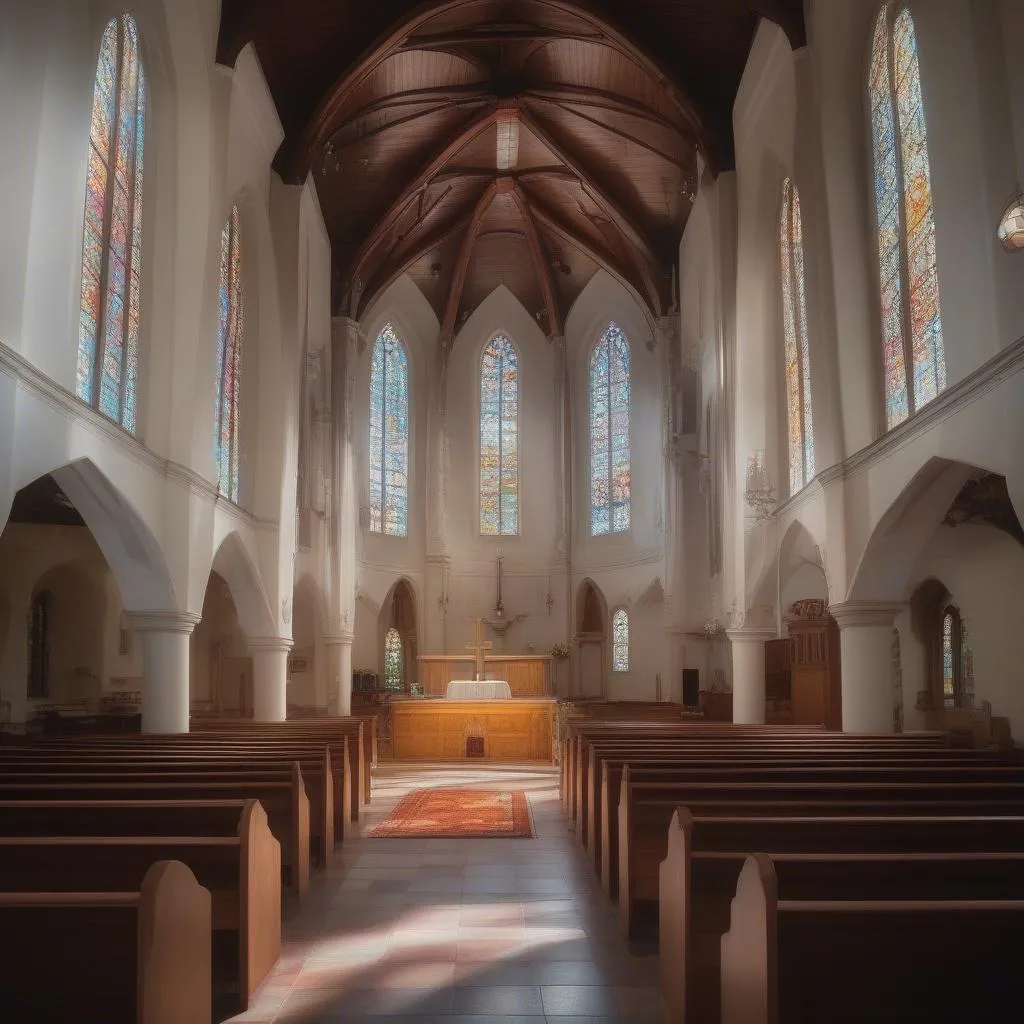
499, 438
798, 364
914, 357
610, 482
389, 436
620, 641
108, 322
393, 658
230, 327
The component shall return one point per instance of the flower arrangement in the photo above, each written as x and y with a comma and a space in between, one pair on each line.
560, 651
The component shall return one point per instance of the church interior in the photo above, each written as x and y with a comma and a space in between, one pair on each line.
518, 515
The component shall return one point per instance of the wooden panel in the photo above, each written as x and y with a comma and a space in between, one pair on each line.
437, 730
526, 675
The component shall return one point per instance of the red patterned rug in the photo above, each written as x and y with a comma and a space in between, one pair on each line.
458, 814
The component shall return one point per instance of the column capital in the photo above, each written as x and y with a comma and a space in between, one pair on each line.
259, 644
336, 639
751, 636
853, 614
164, 622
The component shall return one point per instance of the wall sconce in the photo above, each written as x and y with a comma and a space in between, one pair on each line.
1011, 225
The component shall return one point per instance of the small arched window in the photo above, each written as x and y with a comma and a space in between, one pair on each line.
912, 345
389, 435
393, 661
230, 332
952, 658
39, 646
797, 355
620, 641
108, 323
499, 438
610, 479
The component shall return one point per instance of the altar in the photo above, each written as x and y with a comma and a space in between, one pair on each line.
526, 674
443, 729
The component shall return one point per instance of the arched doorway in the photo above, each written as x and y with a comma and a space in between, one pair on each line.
220, 669
398, 645
591, 637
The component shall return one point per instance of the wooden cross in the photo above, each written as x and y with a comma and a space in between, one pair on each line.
479, 646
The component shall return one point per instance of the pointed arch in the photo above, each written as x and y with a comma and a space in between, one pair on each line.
499, 437
610, 479
389, 435
799, 417
620, 640
230, 336
912, 344
109, 312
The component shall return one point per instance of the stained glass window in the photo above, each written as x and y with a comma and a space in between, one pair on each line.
108, 322
610, 482
797, 355
499, 438
620, 641
389, 435
948, 675
393, 669
230, 328
908, 274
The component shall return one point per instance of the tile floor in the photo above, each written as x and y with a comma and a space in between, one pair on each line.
461, 931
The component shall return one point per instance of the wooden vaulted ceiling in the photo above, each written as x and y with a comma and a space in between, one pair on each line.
472, 143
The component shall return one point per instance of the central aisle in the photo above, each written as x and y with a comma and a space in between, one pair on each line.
459, 930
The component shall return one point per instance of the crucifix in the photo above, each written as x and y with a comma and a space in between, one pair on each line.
479, 646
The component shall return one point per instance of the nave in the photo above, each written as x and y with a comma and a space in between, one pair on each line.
459, 930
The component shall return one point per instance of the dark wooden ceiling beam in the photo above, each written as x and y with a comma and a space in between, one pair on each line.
628, 136
333, 146
388, 274
444, 156
540, 264
640, 247
495, 33
458, 282
604, 261
414, 97
603, 99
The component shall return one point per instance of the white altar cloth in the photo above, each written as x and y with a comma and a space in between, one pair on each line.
478, 689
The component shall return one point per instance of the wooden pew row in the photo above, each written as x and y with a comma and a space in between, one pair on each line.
725, 749
333, 794
745, 736
289, 809
856, 960
138, 957
361, 732
602, 836
645, 813
242, 873
881, 858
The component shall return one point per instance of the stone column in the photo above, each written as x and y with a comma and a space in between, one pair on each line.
270, 678
165, 669
339, 673
865, 644
748, 674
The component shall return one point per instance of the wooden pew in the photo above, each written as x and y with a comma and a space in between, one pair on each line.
280, 792
645, 812
603, 818
860, 960
121, 957
696, 885
242, 872
324, 764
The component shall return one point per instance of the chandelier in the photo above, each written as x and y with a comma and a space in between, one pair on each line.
1011, 224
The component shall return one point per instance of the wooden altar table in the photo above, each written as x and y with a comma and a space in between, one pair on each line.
451, 730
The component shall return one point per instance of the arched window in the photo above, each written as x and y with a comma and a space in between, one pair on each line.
389, 436
952, 658
393, 657
39, 646
499, 437
620, 641
797, 356
108, 323
610, 482
914, 357
230, 328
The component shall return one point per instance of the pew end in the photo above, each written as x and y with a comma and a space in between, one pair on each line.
674, 917
259, 929
749, 954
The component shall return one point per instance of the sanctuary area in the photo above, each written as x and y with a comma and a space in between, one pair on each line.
511, 509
